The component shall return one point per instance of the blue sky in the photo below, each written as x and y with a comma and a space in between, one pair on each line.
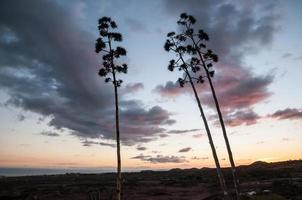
56, 111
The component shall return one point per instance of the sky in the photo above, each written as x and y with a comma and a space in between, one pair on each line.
56, 112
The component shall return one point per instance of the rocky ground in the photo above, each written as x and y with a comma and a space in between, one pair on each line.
275, 181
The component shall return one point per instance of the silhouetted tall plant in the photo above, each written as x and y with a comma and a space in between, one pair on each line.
109, 70
178, 44
205, 59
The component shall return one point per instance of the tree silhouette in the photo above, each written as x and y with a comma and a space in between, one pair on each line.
178, 44
109, 70
205, 60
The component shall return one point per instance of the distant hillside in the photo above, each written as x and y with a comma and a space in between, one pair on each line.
259, 164
280, 178
281, 164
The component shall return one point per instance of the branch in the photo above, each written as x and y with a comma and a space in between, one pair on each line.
186, 77
105, 50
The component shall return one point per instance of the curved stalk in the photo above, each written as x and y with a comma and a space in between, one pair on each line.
230, 154
218, 168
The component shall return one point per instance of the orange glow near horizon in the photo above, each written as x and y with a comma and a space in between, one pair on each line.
31, 150
57, 112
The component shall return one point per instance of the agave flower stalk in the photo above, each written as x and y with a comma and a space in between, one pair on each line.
110, 69
206, 58
175, 43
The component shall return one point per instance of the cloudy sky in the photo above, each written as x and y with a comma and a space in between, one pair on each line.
57, 112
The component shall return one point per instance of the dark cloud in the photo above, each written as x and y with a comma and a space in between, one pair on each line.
154, 116
197, 135
287, 55
236, 94
49, 133
21, 117
48, 66
242, 117
88, 143
134, 87
107, 144
288, 113
182, 131
184, 150
140, 148
160, 159
170, 89
163, 135
242, 94
199, 158
236, 29
141, 125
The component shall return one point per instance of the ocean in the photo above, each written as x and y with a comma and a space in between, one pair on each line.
48, 171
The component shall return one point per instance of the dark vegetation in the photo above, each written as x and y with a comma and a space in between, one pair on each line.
195, 61
282, 180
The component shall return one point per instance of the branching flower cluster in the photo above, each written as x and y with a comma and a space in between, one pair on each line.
192, 55
189, 43
104, 44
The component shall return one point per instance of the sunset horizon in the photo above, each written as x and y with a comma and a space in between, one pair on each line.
56, 112
163, 99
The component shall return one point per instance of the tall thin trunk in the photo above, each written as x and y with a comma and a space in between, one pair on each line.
230, 154
218, 168
234, 173
117, 129
118, 150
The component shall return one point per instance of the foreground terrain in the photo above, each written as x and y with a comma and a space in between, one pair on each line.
260, 180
